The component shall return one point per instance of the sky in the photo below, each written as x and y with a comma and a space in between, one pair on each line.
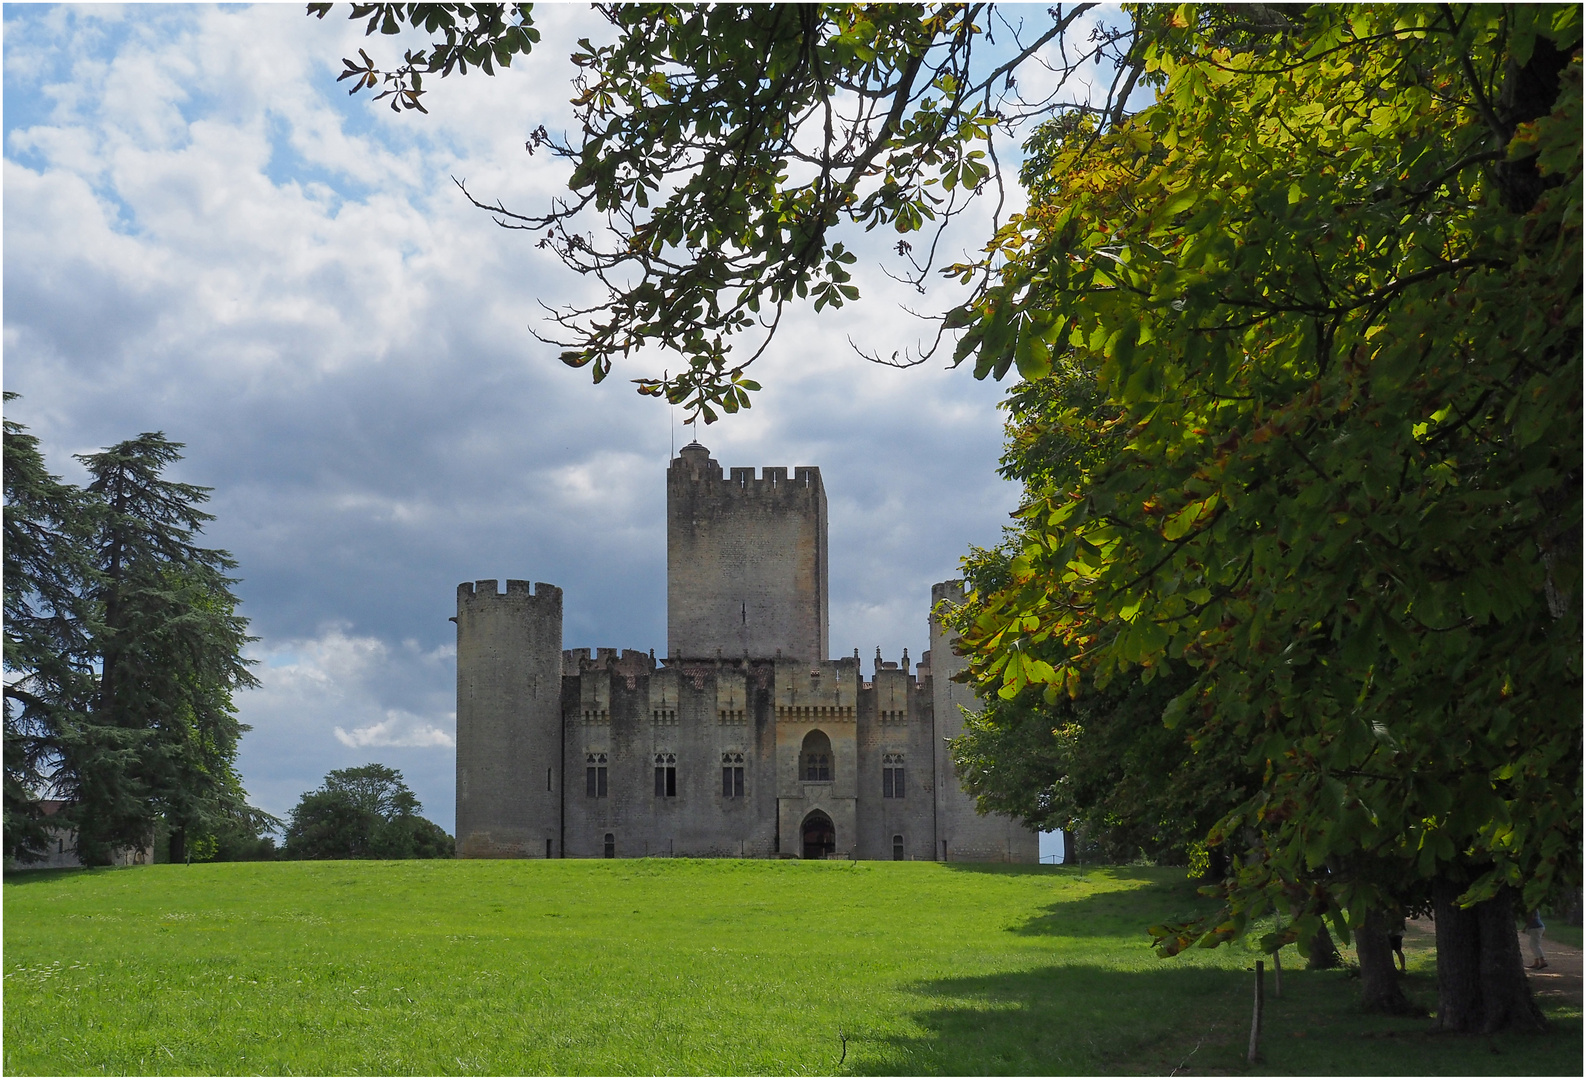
205, 236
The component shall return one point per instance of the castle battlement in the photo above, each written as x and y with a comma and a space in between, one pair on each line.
485, 589
625, 662
746, 560
695, 471
953, 591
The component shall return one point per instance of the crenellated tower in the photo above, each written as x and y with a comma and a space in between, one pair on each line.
745, 561
509, 720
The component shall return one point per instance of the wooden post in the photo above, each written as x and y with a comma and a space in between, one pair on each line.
1255, 1021
1277, 973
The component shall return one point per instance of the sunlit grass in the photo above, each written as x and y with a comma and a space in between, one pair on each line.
663, 966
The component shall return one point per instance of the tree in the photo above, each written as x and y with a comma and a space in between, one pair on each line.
1326, 287
363, 813
1101, 766
161, 737
723, 149
48, 631
1330, 283
123, 648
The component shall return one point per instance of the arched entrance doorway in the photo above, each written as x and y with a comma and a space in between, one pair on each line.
820, 835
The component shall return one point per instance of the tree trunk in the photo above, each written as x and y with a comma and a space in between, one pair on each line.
1506, 999
1481, 985
1216, 866
1323, 953
1379, 975
178, 845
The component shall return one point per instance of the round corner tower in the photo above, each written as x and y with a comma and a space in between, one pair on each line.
509, 720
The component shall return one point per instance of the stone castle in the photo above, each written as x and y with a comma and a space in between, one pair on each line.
745, 741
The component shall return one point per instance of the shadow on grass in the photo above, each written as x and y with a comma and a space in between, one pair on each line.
1052, 1020
1086, 1019
1120, 912
26, 875
1116, 873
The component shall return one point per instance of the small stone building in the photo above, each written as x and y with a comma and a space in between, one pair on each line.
61, 853
745, 741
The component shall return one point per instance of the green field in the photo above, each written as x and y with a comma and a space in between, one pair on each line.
669, 966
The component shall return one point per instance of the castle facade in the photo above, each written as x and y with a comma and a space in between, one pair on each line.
745, 741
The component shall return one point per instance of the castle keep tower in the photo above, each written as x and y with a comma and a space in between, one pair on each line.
509, 720
745, 561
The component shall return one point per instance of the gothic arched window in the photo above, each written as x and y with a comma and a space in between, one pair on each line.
665, 775
815, 762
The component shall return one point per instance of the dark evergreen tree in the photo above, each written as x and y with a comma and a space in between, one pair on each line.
122, 650
363, 813
49, 678
161, 739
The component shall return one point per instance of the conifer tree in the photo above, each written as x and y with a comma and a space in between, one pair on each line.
48, 630
161, 738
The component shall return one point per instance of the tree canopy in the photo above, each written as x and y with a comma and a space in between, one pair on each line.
725, 152
363, 813
123, 650
1329, 286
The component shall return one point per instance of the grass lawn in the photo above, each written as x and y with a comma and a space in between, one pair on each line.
1562, 932
670, 966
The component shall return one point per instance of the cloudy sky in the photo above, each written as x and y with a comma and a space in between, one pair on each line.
204, 236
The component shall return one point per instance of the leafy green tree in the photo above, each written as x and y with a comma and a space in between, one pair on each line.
1329, 284
49, 630
363, 813
123, 647
1100, 764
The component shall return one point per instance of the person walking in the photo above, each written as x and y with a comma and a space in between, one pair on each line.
1533, 934
1396, 939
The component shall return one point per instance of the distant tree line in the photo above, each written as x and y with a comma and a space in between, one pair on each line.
123, 649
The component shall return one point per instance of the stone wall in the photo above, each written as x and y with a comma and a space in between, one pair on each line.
623, 714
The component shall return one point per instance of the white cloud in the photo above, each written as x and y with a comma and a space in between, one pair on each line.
325, 701
399, 728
